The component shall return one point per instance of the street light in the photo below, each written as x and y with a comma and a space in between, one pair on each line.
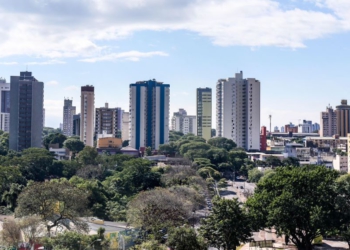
92, 243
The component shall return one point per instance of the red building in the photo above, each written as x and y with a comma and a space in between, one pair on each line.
263, 143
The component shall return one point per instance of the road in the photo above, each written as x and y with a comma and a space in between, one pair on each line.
237, 190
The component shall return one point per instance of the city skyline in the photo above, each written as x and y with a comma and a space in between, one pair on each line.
300, 61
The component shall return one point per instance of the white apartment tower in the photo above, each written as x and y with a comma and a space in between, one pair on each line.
149, 114
238, 111
125, 127
184, 123
87, 108
5, 105
68, 112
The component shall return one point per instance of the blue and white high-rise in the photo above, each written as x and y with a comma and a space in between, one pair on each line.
149, 114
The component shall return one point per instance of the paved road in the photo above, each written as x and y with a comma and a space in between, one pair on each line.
236, 190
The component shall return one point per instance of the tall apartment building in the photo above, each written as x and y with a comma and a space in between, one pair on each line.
87, 115
149, 114
76, 125
343, 118
183, 122
109, 121
126, 127
26, 114
204, 112
4, 105
328, 122
68, 113
306, 127
238, 111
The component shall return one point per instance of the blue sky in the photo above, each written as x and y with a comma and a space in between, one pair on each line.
298, 49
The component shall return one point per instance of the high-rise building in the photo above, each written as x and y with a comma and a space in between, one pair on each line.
76, 125
4, 105
204, 112
315, 127
183, 122
263, 141
282, 129
238, 111
87, 115
306, 127
68, 113
343, 118
290, 128
276, 129
328, 122
126, 127
26, 114
108, 121
149, 114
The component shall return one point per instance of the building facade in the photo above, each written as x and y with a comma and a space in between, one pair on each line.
4, 105
87, 108
149, 114
328, 122
26, 114
204, 112
343, 118
184, 123
238, 111
76, 125
68, 113
126, 127
109, 121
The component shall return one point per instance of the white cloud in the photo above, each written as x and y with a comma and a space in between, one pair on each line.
50, 62
130, 55
60, 29
52, 83
8, 63
72, 87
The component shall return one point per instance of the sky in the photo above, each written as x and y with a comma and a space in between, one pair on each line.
298, 49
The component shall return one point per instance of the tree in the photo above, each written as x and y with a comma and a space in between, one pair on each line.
11, 233
194, 146
148, 151
273, 161
10, 196
217, 155
135, 177
74, 145
222, 142
125, 143
32, 228
35, 163
185, 238
53, 139
291, 161
67, 240
299, 202
254, 175
168, 149
175, 135
227, 226
343, 190
157, 209
88, 156
55, 203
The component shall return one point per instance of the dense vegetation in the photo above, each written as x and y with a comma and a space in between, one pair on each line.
301, 203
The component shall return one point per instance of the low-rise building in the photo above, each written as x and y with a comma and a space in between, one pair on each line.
111, 145
327, 143
60, 153
298, 151
340, 163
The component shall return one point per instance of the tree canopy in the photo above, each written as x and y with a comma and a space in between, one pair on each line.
299, 202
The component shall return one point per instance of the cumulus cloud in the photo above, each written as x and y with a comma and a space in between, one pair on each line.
52, 83
8, 63
60, 29
130, 55
50, 62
